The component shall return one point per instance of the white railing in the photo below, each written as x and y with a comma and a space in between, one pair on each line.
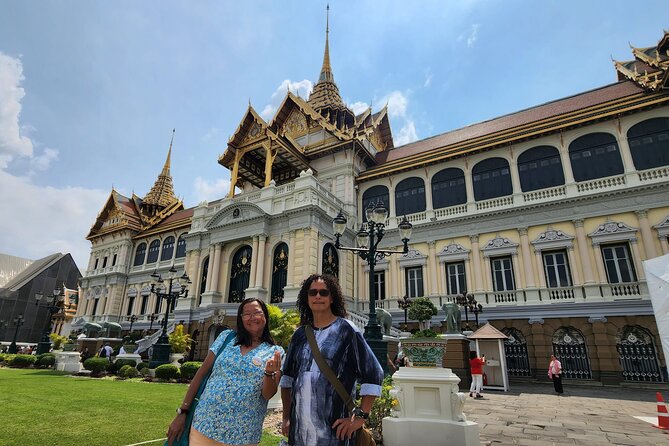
654, 174
494, 203
601, 183
545, 194
453, 210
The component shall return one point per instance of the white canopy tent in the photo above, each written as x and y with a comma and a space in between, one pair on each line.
657, 277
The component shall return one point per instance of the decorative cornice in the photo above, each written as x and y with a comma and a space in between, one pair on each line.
612, 232
552, 239
499, 246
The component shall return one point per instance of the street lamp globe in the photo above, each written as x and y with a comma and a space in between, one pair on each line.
369, 211
405, 228
380, 213
339, 224
362, 237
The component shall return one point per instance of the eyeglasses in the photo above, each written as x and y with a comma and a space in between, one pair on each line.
256, 315
324, 292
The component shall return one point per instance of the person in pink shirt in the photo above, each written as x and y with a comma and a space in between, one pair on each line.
555, 374
476, 367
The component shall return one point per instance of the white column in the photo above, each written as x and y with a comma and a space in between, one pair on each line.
290, 275
527, 258
646, 234
476, 263
216, 270
261, 260
393, 272
641, 275
254, 262
540, 262
210, 269
600, 263
432, 259
306, 267
576, 272
583, 253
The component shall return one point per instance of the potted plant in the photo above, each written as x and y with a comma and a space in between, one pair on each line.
130, 342
179, 343
424, 348
70, 344
57, 340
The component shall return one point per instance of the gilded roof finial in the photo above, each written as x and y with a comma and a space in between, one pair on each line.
326, 70
162, 193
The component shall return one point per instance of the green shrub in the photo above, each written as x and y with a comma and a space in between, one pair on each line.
6, 357
429, 333
145, 372
422, 309
128, 371
45, 360
57, 340
189, 369
120, 363
167, 372
22, 361
96, 365
282, 325
179, 341
381, 408
141, 365
112, 368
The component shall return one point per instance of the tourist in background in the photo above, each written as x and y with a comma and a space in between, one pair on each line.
243, 378
313, 412
555, 374
476, 367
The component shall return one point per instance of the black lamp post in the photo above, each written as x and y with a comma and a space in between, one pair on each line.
470, 305
51, 303
404, 304
18, 321
152, 317
368, 240
133, 319
161, 350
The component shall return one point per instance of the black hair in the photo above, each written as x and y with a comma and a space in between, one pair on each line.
243, 336
338, 307
472, 354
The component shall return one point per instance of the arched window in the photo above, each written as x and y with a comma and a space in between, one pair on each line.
491, 179
203, 281
649, 143
240, 274
154, 248
168, 249
373, 195
139, 255
595, 155
637, 354
279, 272
515, 350
330, 264
181, 247
448, 188
540, 168
410, 196
570, 349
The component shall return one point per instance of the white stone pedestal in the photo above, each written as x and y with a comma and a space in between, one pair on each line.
67, 361
134, 356
429, 410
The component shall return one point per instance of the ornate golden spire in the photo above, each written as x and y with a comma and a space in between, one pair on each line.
161, 194
326, 93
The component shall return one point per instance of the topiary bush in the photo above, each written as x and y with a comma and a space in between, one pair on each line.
141, 365
45, 360
128, 371
5, 358
96, 365
422, 309
167, 372
120, 363
189, 369
22, 361
145, 372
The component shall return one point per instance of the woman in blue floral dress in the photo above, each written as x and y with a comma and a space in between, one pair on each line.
243, 378
313, 412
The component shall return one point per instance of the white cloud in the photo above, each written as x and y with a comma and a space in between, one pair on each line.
397, 104
471, 36
12, 142
43, 161
301, 88
407, 134
205, 190
39, 221
358, 107
428, 80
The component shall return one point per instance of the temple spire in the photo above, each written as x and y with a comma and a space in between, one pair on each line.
326, 70
161, 194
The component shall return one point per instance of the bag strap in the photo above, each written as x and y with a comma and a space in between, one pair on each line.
326, 370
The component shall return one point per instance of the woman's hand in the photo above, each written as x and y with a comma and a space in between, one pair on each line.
285, 426
176, 428
273, 366
346, 426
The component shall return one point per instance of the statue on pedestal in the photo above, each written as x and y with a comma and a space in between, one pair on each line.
453, 317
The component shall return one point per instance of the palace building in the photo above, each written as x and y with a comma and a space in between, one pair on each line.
544, 216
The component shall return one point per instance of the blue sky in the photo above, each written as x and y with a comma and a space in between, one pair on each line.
90, 90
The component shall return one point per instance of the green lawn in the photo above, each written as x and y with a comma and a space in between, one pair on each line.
45, 408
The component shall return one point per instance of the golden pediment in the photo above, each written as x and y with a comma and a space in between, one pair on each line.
296, 124
254, 132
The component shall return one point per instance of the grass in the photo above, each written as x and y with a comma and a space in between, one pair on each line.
47, 408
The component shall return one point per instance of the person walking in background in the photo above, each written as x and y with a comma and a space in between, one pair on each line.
476, 367
313, 412
555, 374
244, 376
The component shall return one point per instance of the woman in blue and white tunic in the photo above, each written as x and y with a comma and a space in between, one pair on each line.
313, 412
243, 378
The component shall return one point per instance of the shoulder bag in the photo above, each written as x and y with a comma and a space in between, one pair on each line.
363, 436
183, 439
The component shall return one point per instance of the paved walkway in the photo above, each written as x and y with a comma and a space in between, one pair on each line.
532, 414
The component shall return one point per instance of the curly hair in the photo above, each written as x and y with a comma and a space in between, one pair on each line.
243, 336
338, 308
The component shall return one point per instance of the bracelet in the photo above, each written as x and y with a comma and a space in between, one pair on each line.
271, 375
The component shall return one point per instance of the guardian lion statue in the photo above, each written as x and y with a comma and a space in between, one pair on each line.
453, 317
385, 320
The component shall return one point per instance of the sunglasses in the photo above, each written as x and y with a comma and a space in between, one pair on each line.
324, 292
256, 315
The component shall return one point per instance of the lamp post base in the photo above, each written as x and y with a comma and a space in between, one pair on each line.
13, 349
380, 349
43, 347
161, 355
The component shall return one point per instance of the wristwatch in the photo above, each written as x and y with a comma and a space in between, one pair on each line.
359, 413
182, 411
